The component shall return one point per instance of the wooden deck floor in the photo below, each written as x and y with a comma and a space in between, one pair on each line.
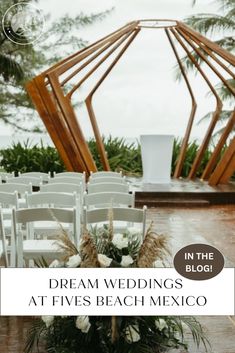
213, 225
181, 192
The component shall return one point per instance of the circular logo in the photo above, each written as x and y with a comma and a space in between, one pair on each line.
23, 23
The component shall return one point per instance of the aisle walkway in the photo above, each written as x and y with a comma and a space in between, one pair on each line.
213, 225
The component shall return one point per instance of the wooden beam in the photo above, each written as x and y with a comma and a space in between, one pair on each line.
226, 167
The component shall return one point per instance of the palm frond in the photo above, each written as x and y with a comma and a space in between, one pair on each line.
224, 92
209, 23
224, 116
10, 69
34, 335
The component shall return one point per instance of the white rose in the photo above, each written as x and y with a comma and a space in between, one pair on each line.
160, 324
126, 260
55, 263
104, 260
74, 261
83, 323
120, 241
132, 333
48, 320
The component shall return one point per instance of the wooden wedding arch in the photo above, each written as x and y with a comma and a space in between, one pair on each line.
53, 100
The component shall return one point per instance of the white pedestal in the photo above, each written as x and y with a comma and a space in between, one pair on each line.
156, 153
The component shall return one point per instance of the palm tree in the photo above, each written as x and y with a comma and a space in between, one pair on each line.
210, 24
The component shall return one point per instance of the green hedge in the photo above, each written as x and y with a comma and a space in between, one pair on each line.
122, 156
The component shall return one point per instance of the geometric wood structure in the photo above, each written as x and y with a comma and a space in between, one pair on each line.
52, 91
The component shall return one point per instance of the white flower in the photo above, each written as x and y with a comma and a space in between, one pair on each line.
74, 261
126, 260
48, 320
55, 263
104, 260
120, 241
133, 231
132, 333
160, 324
83, 323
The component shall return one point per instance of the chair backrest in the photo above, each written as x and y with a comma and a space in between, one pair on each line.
9, 199
106, 174
65, 179
3, 241
107, 187
51, 199
62, 187
109, 199
133, 215
70, 174
107, 179
20, 188
43, 176
35, 181
3, 176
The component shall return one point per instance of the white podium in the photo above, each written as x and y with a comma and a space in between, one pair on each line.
156, 154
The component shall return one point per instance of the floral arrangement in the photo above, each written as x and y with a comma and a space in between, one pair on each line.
102, 247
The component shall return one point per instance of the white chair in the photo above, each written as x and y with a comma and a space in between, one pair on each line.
44, 176
120, 214
108, 199
21, 189
106, 174
34, 249
35, 181
107, 187
64, 188
7, 201
52, 199
69, 180
3, 243
3, 176
107, 179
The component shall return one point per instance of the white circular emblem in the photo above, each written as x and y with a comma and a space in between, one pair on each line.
23, 23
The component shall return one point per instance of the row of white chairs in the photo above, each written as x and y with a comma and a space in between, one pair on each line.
24, 248
63, 195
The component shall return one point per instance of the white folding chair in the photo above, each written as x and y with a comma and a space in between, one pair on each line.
107, 187
21, 189
35, 181
69, 180
52, 199
61, 187
108, 199
3, 243
44, 176
7, 201
120, 214
34, 249
107, 179
106, 174
4, 175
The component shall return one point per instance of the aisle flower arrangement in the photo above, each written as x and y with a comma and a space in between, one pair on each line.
102, 247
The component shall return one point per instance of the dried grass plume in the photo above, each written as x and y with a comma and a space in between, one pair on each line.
154, 247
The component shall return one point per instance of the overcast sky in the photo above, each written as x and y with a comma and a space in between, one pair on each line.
140, 95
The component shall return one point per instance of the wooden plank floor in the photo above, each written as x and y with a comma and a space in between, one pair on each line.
181, 192
213, 225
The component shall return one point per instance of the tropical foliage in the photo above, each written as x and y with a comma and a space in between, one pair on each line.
122, 156
123, 334
220, 27
19, 63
